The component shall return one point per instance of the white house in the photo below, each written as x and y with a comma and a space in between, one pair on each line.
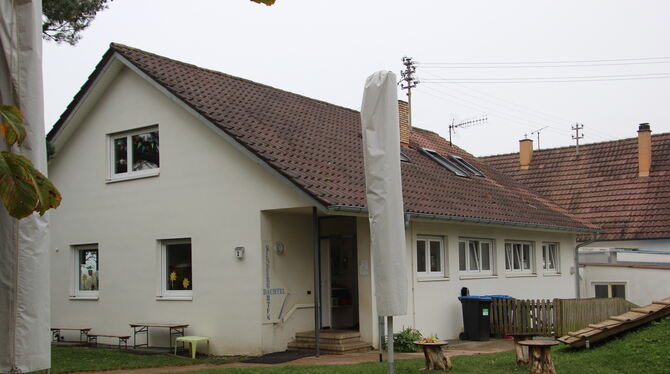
623, 187
191, 196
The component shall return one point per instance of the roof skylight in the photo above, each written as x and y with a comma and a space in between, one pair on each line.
465, 165
404, 157
444, 162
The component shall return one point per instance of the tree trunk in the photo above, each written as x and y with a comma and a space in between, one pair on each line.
540, 361
521, 352
436, 359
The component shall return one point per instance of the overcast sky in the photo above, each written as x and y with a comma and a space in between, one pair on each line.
326, 49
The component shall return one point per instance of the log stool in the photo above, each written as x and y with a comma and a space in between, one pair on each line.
522, 351
435, 357
540, 356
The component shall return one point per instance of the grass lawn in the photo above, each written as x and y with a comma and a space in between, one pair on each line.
641, 351
69, 359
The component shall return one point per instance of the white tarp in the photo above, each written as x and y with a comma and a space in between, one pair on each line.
24, 257
381, 143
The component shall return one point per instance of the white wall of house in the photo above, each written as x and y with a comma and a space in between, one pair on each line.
642, 285
434, 308
206, 191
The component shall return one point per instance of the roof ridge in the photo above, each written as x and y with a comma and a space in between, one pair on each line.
117, 46
582, 146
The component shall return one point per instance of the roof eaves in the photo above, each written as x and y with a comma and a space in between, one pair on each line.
444, 217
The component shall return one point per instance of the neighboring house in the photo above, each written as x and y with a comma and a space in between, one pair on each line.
201, 198
621, 186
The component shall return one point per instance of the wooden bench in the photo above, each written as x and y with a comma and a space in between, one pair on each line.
57, 336
93, 339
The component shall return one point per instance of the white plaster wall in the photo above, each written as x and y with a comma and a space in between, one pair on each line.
293, 271
642, 285
434, 307
207, 191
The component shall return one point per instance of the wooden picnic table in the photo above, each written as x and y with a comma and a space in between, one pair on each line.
522, 351
540, 356
176, 329
435, 357
57, 336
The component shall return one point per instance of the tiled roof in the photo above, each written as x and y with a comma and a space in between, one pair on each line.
602, 185
318, 147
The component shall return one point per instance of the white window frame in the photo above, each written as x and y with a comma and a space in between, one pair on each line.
166, 294
76, 277
466, 254
129, 174
557, 259
443, 263
609, 288
509, 257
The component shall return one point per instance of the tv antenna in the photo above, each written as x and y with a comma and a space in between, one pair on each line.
577, 128
466, 123
538, 135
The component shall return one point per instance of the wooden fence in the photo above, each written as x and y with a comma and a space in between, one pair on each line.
551, 317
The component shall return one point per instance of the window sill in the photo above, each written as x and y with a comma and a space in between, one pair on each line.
133, 176
552, 274
520, 275
174, 298
476, 276
77, 297
432, 279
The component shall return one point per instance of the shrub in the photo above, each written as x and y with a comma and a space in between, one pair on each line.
404, 340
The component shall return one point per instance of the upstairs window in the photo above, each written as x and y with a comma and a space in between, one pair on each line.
444, 162
134, 153
460, 161
518, 256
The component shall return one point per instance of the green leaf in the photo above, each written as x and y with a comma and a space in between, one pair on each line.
23, 189
11, 124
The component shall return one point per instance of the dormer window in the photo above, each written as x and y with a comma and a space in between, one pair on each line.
444, 162
463, 164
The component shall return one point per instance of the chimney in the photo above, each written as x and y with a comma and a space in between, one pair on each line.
525, 153
405, 127
644, 149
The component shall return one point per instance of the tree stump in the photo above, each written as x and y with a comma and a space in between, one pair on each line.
435, 357
521, 350
540, 356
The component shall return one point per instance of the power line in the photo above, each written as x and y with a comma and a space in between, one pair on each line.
506, 63
534, 66
584, 78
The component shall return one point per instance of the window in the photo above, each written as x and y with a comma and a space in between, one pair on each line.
605, 290
465, 165
475, 255
135, 153
518, 256
444, 162
430, 256
86, 265
404, 157
550, 257
176, 265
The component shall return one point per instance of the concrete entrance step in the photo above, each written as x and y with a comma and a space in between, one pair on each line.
330, 341
331, 348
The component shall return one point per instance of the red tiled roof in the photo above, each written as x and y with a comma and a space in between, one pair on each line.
318, 147
602, 185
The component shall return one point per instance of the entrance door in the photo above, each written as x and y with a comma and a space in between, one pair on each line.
343, 282
325, 284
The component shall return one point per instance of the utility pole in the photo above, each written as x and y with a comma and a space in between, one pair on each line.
576, 128
407, 82
538, 135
